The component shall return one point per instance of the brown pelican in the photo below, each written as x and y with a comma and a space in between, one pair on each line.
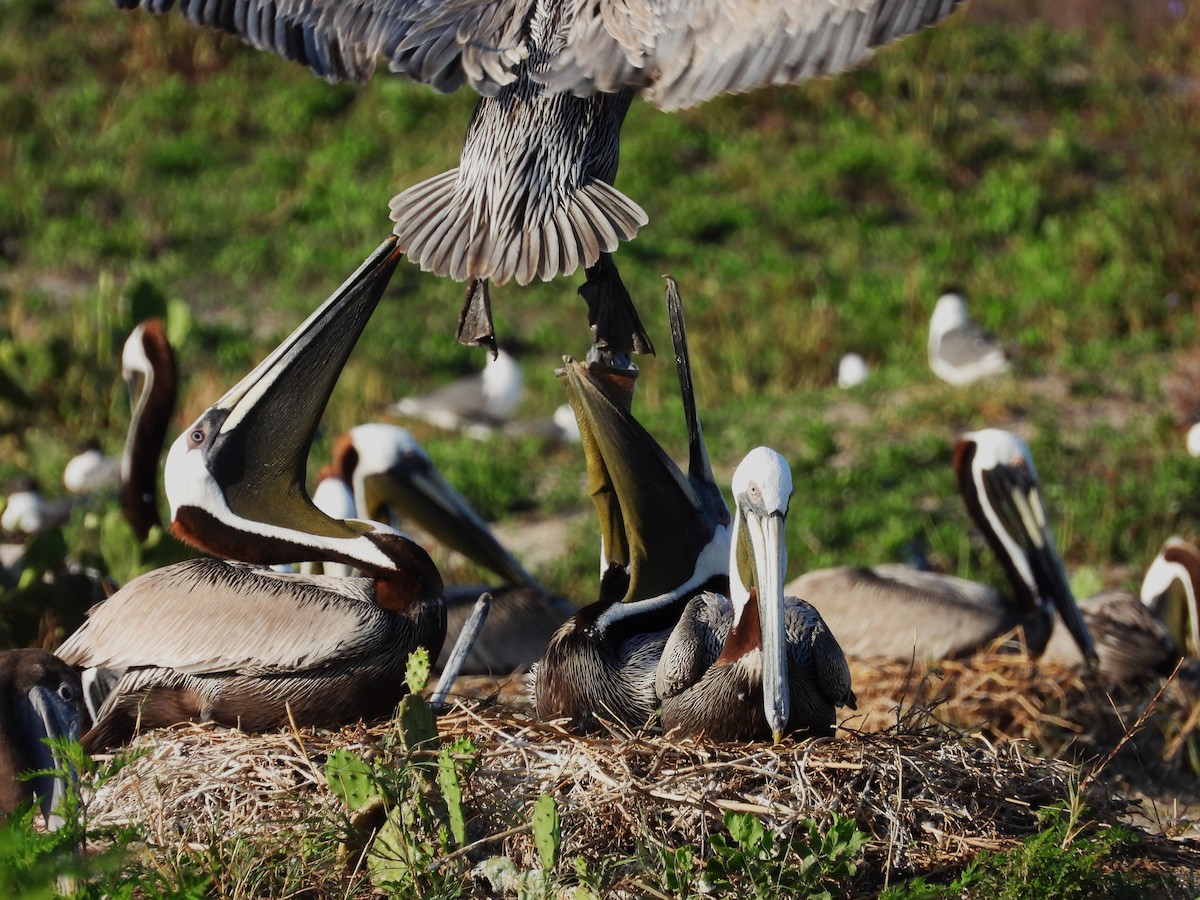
664, 538
533, 196
754, 664
960, 352
894, 611
477, 404
41, 698
381, 470
148, 366
1140, 638
246, 646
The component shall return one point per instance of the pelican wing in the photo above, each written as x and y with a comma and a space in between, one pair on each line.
682, 52
893, 611
205, 616
443, 44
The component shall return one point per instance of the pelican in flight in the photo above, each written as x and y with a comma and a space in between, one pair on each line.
754, 664
243, 645
664, 538
41, 698
960, 352
1143, 637
379, 470
148, 366
893, 611
532, 196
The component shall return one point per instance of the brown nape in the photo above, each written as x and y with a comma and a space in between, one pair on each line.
745, 636
148, 433
343, 459
415, 578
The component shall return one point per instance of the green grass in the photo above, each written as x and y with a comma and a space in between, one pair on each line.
1051, 174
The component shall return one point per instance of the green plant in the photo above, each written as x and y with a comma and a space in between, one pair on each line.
806, 864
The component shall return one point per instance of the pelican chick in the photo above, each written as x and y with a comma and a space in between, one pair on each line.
40, 697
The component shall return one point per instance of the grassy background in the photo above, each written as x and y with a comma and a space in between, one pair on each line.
1050, 171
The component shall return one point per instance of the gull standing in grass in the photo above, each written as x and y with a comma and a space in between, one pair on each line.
754, 664
960, 352
476, 405
533, 195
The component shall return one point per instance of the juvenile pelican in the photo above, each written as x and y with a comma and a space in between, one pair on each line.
382, 470
754, 664
960, 352
664, 537
894, 611
533, 196
40, 697
148, 366
239, 645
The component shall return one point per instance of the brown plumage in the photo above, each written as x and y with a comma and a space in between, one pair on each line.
40, 696
148, 366
213, 640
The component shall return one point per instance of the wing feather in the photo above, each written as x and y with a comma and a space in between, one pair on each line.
206, 616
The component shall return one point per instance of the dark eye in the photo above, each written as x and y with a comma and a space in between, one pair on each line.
66, 692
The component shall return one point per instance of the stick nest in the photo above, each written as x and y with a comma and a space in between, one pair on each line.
934, 767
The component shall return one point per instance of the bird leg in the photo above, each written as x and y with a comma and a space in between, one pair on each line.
475, 328
616, 329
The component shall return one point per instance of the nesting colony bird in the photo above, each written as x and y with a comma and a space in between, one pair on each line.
148, 367
960, 352
852, 371
40, 697
27, 512
896, 612
664, 538
532, 196
90, 471
476, 405
379, 471
754, 664
1144, 638
240, 645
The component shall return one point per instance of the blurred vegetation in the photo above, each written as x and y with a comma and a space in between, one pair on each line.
1051, 173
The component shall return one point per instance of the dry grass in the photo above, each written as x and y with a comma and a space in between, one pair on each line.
930, 796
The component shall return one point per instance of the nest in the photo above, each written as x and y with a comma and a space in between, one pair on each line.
929, 797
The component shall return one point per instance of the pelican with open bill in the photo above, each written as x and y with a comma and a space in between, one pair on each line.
895, 612
754, 664
241, 645
664, 538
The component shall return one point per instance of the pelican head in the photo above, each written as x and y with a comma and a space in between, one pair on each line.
762, 490
998, 480
1169, 589
664, 533
235, 478
44, 700
388, 470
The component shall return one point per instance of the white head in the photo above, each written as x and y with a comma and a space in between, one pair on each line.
503, 385
950, 313
852, 371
